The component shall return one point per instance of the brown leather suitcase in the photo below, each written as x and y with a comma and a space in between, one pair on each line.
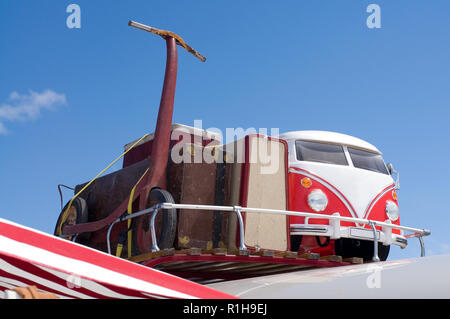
179, 134
195, 181
108, 192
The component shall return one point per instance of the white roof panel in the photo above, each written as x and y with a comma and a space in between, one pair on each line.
329, 137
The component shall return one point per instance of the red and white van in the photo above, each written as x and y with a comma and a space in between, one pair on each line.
332, 173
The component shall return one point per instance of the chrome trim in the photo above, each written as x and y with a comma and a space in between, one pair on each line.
384, 236
397, 177
422, 247
321, 194
348, 156
152, 227
237, 209
388, 213
375, 242
308, 229
353, 235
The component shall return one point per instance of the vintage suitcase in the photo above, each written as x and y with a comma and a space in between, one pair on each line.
108, 192
196, 181
258, 179
181, 134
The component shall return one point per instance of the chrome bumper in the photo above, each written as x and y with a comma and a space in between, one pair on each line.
385, 237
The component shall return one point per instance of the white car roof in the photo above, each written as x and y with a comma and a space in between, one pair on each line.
329, 137
430, 275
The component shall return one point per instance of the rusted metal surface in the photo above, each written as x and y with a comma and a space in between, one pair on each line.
105, 194
221, 220
178, 137
194, 183
99, 224
108, 192
168, 34
160, 147
160, 151
110, 198
159, 155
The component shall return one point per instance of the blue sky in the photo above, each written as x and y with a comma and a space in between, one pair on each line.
293, 65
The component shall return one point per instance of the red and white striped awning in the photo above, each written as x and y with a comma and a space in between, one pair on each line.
32, 258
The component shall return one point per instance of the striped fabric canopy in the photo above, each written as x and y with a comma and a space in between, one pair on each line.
69, 270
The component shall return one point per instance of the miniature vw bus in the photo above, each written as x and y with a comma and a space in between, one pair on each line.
332, 173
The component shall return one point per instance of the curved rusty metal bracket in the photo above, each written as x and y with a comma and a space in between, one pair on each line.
165, 34
160, 148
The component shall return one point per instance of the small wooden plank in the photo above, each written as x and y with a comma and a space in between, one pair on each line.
215, 251
264, 253
310, 256
240, 252
153, 254
169, 252
163, 253
354, 260
333, 258
243, 252
220, 251
140, 258
267, 253
286, 254
182, 252
291, 254
193, 251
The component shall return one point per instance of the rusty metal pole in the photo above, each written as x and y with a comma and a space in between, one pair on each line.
161, 141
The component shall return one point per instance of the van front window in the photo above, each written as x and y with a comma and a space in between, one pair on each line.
320, 152
367, 160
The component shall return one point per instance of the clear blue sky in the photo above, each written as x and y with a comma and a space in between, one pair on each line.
293, 65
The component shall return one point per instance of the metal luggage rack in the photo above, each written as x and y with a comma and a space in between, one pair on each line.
334, 221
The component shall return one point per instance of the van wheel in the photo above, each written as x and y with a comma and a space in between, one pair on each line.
78, 214
165, 224
296, 241
347, 247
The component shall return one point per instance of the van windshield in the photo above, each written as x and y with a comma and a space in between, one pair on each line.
320, 152
367, 160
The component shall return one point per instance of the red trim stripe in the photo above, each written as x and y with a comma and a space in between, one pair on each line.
37, 271
29, 282
353, 212
76, 251
376, 199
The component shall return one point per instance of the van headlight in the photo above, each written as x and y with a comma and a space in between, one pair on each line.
317, 200
392, 210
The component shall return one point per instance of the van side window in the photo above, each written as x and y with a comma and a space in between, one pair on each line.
367, 160
320, 152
